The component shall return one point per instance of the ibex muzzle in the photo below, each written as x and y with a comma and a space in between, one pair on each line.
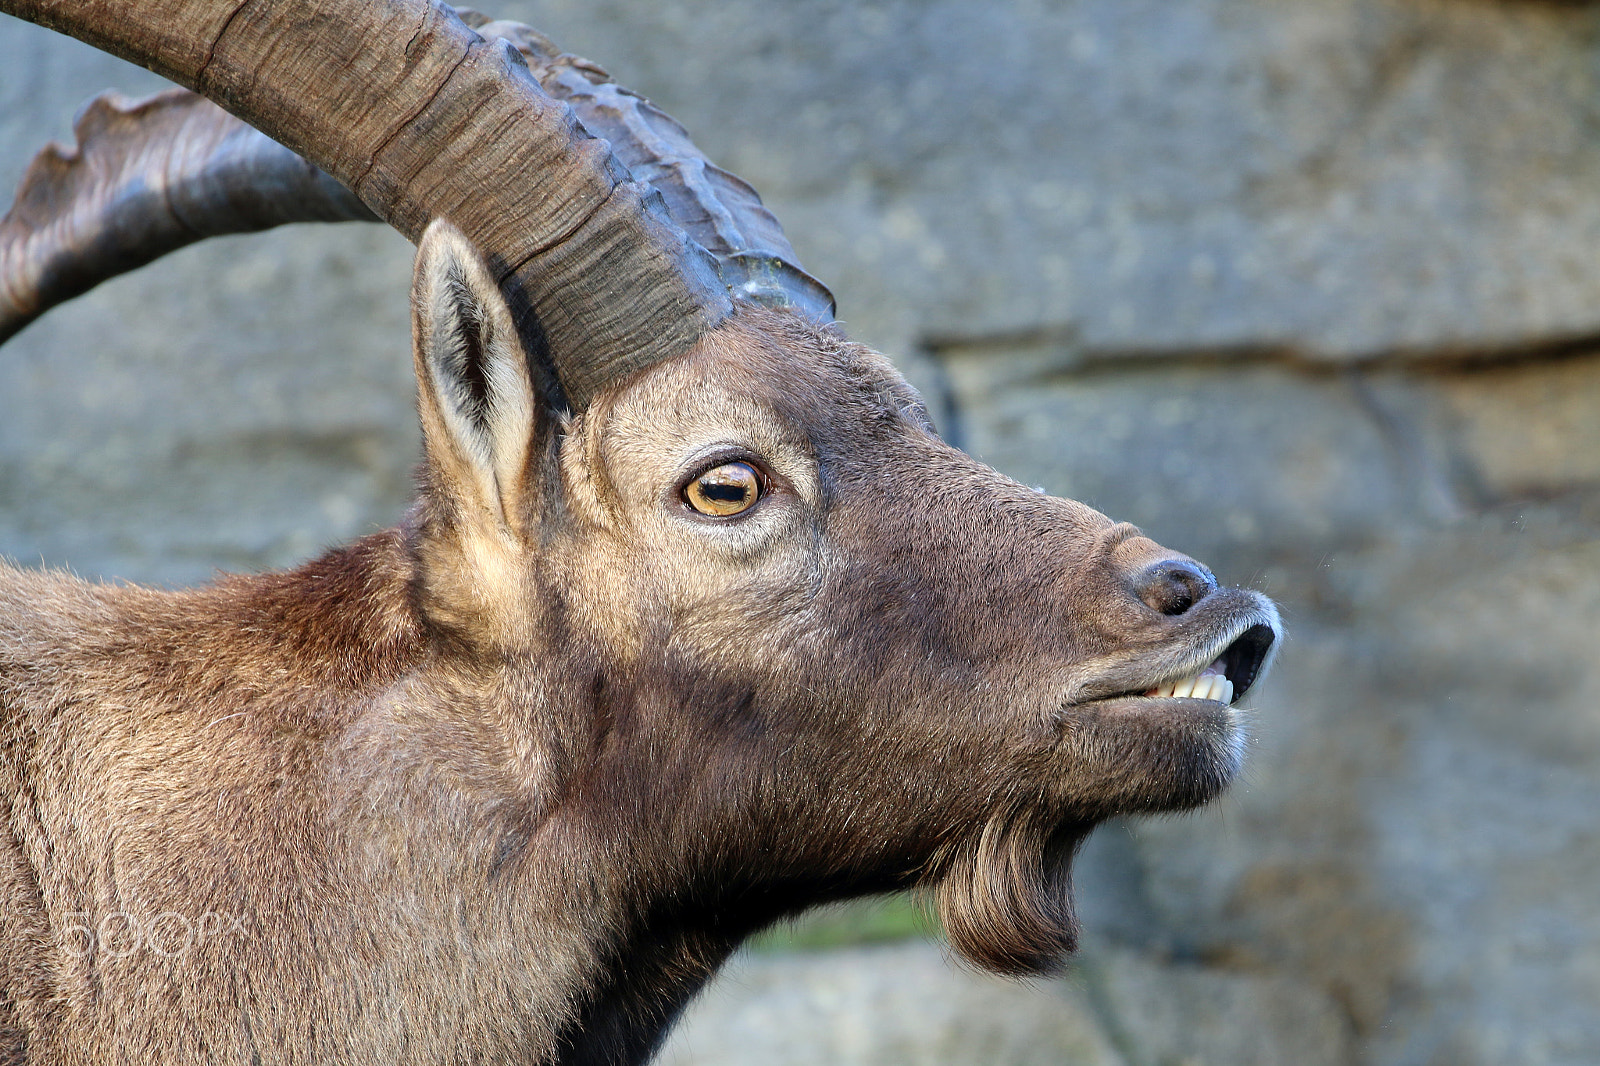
732, 635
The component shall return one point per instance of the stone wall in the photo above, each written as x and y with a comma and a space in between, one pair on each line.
1307, 288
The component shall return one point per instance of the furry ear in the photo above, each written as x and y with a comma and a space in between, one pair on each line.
475, 394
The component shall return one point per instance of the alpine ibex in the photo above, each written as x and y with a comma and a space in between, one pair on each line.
695, 623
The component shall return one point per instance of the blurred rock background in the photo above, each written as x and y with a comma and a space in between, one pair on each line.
1307, 288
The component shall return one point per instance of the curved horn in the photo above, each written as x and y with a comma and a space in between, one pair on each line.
148, 177
421, 117
145, 183
719, 209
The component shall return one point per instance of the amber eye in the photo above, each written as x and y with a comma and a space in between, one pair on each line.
723, 491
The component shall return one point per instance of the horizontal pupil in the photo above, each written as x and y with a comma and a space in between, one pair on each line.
723, 492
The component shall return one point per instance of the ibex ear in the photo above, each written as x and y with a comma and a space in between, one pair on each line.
475, 395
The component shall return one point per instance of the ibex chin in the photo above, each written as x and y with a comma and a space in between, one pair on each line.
695, 623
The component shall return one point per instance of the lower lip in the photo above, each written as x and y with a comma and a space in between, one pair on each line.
1133, 704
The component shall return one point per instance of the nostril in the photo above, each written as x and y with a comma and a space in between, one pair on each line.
1172, 586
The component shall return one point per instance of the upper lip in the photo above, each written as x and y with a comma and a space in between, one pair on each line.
1241, 660
1241, 644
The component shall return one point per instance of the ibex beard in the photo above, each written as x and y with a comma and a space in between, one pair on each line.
511, 780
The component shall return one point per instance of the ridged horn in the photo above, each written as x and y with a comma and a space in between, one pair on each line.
401, 102
718, 209
148, 177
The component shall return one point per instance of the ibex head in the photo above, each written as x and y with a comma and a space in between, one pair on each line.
697, 622
820, 644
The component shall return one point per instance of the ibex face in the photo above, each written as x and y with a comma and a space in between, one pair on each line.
823, 652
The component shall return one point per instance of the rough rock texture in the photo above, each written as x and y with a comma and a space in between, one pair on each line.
909, 1005
239, 405
1310, 288
884, 1007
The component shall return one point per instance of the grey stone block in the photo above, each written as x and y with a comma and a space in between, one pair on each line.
891, 1006
909, 1004
1188, 1015
1340, 178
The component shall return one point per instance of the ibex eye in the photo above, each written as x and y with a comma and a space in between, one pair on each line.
725, 490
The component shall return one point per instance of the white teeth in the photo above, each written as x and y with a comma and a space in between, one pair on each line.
1202, 686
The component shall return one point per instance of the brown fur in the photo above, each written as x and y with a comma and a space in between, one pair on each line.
507, 783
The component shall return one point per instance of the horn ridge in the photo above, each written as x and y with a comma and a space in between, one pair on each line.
145, 178
720, 210
427, 119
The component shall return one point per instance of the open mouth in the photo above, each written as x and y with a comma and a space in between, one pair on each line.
1230, 675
